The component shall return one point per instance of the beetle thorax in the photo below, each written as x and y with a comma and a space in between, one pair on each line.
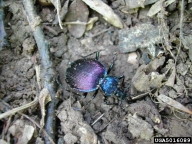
109, 85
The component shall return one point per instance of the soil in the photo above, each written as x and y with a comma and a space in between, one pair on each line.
134, 121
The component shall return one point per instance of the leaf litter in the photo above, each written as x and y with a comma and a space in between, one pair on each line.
158, 66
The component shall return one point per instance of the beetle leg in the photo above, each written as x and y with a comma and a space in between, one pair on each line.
121, 100
96, 57
95, 93
84, 95
122, 77
111, 66
105, 100
58, 82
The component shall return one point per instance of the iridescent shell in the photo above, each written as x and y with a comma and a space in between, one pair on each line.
85, 74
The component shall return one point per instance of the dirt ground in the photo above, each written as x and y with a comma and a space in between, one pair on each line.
87, 121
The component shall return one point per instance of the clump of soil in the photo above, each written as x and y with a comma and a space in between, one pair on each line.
161, 65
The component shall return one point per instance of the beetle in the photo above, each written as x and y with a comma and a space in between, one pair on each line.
89, 74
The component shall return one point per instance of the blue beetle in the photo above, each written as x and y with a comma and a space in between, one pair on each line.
88, 75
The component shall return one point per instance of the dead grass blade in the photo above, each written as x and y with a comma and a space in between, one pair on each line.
13, 111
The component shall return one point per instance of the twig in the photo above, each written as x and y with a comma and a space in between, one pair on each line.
181, 38
3, 41
33, 121
58, 15
48, 69
97, 119
50, 29
103, 31
63, 13
141, 95
106, 126
6, 127
75, 23
181, 29
164, 27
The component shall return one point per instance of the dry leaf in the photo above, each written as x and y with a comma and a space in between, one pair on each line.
91, 23
87, 134
16, 129
155, 8
57, 4
22, 130
131, 4
27, 134
44, 98
77, 14
45, 2
173, 103
106, 11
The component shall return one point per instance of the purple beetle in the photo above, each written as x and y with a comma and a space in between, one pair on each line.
87, 75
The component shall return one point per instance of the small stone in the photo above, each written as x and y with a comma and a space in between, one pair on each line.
139, 128
70, 138
87, 42
173, 94
141, 36
115, 4
78, 11
182, 68
28, 46
30, 73
138, 3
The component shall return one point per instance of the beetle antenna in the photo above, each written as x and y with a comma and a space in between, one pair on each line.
97, 54
111, 66
58, 82
128, 87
